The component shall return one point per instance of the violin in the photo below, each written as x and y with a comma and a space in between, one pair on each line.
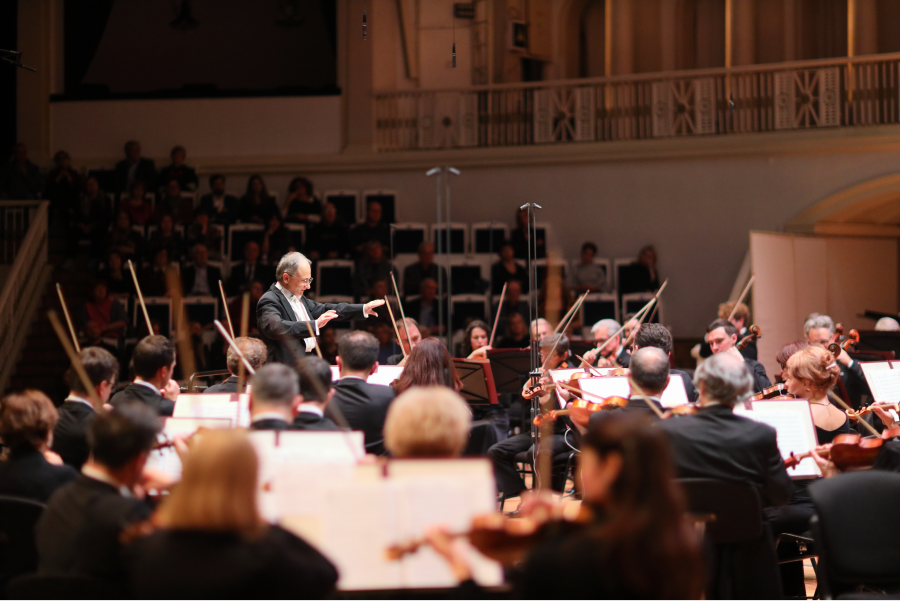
778, 391
686, 409
508, 540
848, 451
852, 340
580, 410
848, 342
855, 415
838, 332
754, 334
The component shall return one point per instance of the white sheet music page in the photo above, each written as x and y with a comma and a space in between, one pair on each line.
793, 423
167, 460
884, 382
384, 375
673, 396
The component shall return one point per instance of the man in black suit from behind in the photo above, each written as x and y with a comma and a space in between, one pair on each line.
135, 168
715, 443
253, 350
154, 364
76, 412
79, 531
722, 337
316, 391
363, 405
201, 278
274, 398
657, 335
284, 313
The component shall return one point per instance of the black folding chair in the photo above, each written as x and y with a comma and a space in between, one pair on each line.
39, 586
855, 530
18, 554
741, 559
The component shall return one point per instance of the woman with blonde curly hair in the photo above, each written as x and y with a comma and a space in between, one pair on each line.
810, 374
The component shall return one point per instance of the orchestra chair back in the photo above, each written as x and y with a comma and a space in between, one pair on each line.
855, 531
41, 586
740, 552
18, 553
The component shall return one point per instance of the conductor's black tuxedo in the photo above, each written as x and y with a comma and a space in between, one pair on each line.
365, 407
283, 334
139, 392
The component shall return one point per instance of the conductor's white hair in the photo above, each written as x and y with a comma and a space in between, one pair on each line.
289, 264
610, 325
725, 378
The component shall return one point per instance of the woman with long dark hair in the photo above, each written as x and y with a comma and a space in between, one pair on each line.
476, 338
256, 206
636, 543
429, 364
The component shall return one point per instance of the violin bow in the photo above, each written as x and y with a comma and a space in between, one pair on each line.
185, 348
403, 314
588, 365
314, 337
396, 329
62, 301
643, 310
137, 288
741, 297
497, 316
846, 407
644, 396
225, 306
570, 314
628, 341
75, 359
245, 321
234, 347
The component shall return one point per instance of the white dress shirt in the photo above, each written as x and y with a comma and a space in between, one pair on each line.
301, 314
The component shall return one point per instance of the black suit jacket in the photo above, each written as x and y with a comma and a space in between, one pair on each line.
139, 392
716, 443
760, 379
70, 433
239, 282
188, 274
855, 383
28, 475
270, 424
311, 421
229, 385
623, 358
229, 211
689, 388
146, 172
78, 533
284, 335
190, 564
365, 407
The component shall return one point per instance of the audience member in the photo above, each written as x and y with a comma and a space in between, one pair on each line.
274, 397
428, 422
20, 179
328, 239
167, 238
201, 232
31, 470
79, 533
642, 275
76, 412
429, 364
512, 303
316, 393
277, 240
154, 278
154, 363
63, 185
613, 353
171, 202
520, 237
253, 350
475, 340
251, 270
506, 270
363, 405
300, 206
104, 312
124, 240
373, 266
515, 334
200, 278
118, 280
221, 208
587, 276
89, 219
178, 171
135, 168
256, 206
425, 268
427, 311
139, 209
212, 542
372, 230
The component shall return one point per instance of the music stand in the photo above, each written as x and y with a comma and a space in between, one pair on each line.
872, 340
478, 381
510, 368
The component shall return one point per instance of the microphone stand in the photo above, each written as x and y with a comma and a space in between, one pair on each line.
533, 310
12, 57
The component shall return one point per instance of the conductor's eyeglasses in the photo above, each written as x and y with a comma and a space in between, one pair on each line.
306, 282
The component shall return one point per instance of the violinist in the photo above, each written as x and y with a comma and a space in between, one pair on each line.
819, 330
658, 336
503, 454
722, 337
634, 545
715, 443
614, 353
741, 320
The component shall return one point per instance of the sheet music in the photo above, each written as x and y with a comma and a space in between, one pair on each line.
883, 382
673, 396
383, 376
793, 423
167, 460
216, 406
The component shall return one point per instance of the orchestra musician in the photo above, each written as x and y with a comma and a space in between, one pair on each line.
429, 364
658, 336
614, 353
819, 330
408, 344
722, 337
253, 350
283, 313
475, 340
274, 398
154, 365
429, 422
316, 392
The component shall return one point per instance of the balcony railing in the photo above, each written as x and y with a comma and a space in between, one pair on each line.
756, 98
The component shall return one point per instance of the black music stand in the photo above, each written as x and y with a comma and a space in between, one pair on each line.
872, 340
510, 368
478, 381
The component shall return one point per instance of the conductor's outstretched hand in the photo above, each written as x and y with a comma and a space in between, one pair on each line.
369, 307
325, 318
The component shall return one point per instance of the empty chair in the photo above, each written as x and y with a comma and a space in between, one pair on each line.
488, 237
334, 279
599, 306
18, 554
238, 237
159, 308
459, 238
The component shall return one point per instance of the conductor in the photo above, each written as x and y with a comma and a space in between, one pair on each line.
283, 312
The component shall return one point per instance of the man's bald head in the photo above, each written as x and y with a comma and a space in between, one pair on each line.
650, 370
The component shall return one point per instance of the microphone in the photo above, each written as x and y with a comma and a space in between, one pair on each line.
364, 25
